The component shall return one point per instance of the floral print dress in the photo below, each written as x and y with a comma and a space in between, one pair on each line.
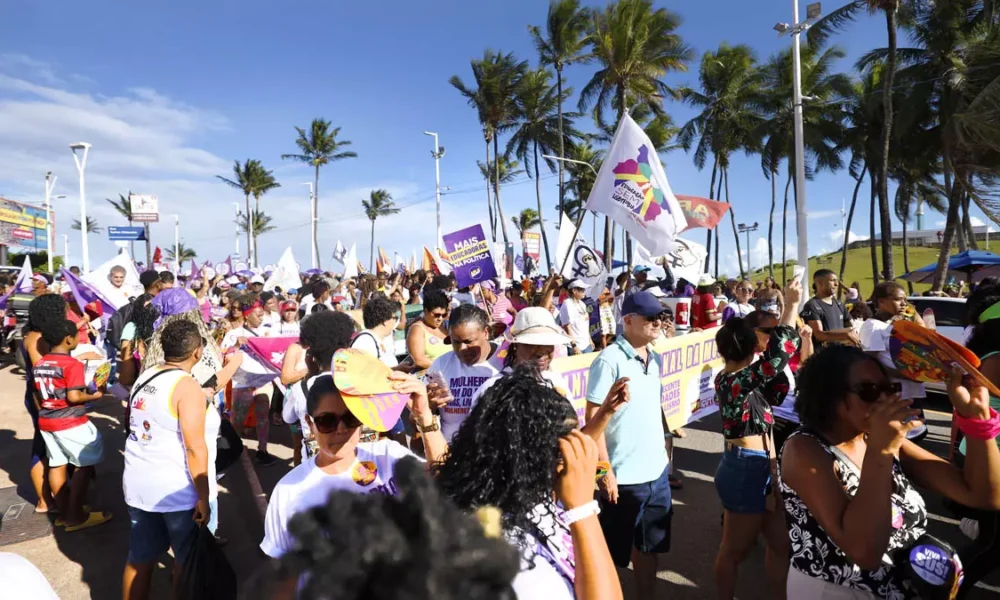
745, 396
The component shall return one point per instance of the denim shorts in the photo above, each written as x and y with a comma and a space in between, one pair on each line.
743, 480
640, 519
154, 533
80, 446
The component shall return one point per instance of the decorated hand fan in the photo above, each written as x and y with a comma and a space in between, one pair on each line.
921, 354
101, 374
363, 381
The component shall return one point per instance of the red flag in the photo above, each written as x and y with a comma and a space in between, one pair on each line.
701, 212
157, 255
428, 262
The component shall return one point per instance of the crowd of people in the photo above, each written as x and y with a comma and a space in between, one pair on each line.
490, 484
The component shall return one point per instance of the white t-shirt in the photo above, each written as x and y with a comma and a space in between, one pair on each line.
233, 335
272, 319
383, 349
875, 336
463, 381
287, 329
307, 486
574, 313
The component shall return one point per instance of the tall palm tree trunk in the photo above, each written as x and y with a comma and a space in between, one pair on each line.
496, 189
871, 228
315, 223
256, 211
718, 246
711, 196
250, 248
562, 151
850, 217
883, 184
784, 227
770, 224
541, 220
970, 233
961, 233
371, 251
736, 235
951, 223
906, 256
489, 197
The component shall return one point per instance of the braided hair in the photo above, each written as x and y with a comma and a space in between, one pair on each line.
413, 546
506, 452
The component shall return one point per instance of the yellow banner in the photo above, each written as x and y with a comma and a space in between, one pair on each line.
19, 218
689, 366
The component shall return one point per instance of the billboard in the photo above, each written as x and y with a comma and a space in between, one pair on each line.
145, 208
23, 227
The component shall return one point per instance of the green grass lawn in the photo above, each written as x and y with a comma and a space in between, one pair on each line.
859, 266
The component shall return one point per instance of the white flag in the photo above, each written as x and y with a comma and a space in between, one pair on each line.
566, 243
340, 253
351, 263
119, 296
686, 260
632, 189
285, 274
23, 283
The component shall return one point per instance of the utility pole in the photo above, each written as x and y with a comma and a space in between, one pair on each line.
438, 154
744, 228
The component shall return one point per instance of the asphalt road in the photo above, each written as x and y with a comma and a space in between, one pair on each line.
88, 564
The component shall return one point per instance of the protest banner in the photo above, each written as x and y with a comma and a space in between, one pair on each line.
532, 241
469, 254
689, 366
263, 361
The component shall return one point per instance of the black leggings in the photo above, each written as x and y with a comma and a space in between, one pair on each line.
982, 557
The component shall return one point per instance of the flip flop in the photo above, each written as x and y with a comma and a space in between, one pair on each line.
61, 523
93, 520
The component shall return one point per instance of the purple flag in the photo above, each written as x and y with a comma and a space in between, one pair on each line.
84, 294
469, 255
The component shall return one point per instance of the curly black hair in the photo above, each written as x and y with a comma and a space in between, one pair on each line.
435, 299
822, 382
378, 310
55, 332
506, 452
413, 546
469, 313
736, 339
144, 316
323, 333
44, 309
180, 339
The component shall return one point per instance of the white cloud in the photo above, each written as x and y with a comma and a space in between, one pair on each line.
821, 214
28, 67
837, 236
977, 222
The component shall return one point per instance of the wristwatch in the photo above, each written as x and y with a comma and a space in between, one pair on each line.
427, 428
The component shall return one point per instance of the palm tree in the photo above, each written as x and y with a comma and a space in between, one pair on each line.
252, 179
818, 33
183, 251
581, 181
536, 119
477, 99
635, 46
319, 147
92, 226
497, 75
729, 119
561, 44
378, 204
261, 224
525, 220
509, 171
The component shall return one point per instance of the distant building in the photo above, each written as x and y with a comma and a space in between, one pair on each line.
926, 237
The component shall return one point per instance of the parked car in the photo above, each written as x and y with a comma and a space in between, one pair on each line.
949, 314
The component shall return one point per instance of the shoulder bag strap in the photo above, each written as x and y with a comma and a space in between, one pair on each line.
135, 391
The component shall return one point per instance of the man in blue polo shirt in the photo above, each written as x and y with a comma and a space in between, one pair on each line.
636, 504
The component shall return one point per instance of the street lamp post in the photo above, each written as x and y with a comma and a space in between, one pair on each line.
177, 242
65, 249
312, 226
50, 230
236, 205
744, 228
438, 154
81, 166
796, 29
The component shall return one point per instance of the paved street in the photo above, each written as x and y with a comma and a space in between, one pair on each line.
88, 564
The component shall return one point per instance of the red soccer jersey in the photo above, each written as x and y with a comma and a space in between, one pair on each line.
700, 305
55, 375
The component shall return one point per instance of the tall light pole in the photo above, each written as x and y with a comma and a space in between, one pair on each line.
312, 226
81, 166
438, 154
65, 249
177, 242
744, 228
236, 205
50, 230
796, 29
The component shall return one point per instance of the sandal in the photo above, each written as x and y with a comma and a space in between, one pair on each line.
93, 520
60, 522
675, 482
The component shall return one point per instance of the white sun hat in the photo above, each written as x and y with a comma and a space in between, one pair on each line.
535, 326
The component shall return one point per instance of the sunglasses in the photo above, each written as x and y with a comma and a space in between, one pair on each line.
439, 315
328, 422
871, 392
663, 317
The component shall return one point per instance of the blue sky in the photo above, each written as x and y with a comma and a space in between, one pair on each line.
171, 93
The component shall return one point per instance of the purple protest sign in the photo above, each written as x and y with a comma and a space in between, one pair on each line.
469, 254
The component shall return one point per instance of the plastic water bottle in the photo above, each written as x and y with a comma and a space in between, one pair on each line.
928, 317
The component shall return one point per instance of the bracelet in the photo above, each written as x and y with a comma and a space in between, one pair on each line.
580, 513
433, 426
979, 429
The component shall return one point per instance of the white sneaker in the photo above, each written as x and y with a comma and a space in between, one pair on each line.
970, 528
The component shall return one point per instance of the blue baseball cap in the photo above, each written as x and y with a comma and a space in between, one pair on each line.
641, 303
640, 269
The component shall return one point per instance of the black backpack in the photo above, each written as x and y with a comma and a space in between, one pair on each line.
117, 324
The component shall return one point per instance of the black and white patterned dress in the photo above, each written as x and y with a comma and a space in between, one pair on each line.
816, 555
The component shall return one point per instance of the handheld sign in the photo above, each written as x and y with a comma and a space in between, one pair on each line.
363, 382
921, 354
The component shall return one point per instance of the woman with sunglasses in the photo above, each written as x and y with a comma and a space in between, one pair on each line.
745, 390
741, 306
341, 461
847, 476
513, 453
425, 341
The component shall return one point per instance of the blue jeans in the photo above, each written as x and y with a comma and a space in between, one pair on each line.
641, 519
154, 533
743, 480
